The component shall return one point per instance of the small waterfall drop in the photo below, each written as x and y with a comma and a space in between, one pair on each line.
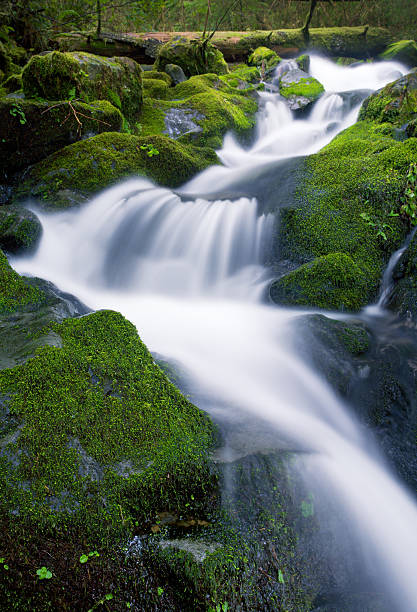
179, 264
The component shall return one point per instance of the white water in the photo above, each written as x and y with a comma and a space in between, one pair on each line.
189, 274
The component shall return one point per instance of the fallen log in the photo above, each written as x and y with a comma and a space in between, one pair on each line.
360, 42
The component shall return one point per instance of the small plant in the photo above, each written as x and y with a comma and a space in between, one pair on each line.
380, 227
281, 577
85, 558
150, 150
101, 601
17, 111
409, 207
2, 562
224, 607
160, 591
44, 573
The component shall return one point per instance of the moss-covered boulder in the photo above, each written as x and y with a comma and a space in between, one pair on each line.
20, 229
85, 167
332, 281
345, 201
5, 62
160, 76
404, 51
394, 104
214, 105
15, 292
299, 88
155, 88
31, 130
12, 83
64, 76
262, 56
303, 62
194, 57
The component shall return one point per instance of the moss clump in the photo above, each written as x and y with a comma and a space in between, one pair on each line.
194, 57
361, 171
20, 229
303, 62
402, 51
242, 77
15, 291
31, 130
264, 56
90, 165
293, 85
155, 74
332, 281
396, 103
155, 88
12, 83
63, 76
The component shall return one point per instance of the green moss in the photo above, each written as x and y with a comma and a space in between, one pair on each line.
15, 292
104, 438
152, 118
90, 165
307, 87
31, 130
13, 83
361, 171
63, 76
242, 77
402, 51
5, 60
155, 88
194, 57
396, 103
20, 229
155, 74
265, 56
332, 281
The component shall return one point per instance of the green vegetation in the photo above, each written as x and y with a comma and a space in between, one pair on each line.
30, 129
194, 57
87, 166
307, 87
63, 76
16, 293
262, 56
363, 170
19, 229
402, 51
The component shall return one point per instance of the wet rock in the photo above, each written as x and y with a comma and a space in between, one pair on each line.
299, 88
403, 299
176, 73
396, 103
20, 229
179, 121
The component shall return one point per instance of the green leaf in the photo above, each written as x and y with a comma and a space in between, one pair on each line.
83, 558
281, 577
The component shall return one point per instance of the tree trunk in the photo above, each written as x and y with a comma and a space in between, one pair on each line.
306, 26
98, 18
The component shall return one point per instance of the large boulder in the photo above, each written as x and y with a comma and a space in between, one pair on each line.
194, 57
75, 172
20, 229
214, 105
345, 202
404, 51
299, 88
65, 76
31, 130
396, 104
262, 56
332, 281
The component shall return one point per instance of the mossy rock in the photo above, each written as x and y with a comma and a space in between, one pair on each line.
100, 439
155, 74
299, 88
20, 229
12, 83
5, 60
332, 281
242, 77
264, 56
16, 293
194, 57
155, 88
403, 299
63, 76
176, 73
404, 51
87, 166
216, 106
31, 130
303, 62
361, 172
396, 103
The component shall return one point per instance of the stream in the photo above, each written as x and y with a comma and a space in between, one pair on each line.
188, 269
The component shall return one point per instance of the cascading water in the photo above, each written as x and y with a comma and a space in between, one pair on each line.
186, 267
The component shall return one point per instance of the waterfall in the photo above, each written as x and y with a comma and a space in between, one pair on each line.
187, 269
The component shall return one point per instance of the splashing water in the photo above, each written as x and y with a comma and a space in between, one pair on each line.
187, 269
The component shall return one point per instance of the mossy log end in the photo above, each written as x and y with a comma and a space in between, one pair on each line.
360, 42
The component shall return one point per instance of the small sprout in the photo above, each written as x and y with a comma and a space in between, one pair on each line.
83, 558
281, 577
44, 573
160, 591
